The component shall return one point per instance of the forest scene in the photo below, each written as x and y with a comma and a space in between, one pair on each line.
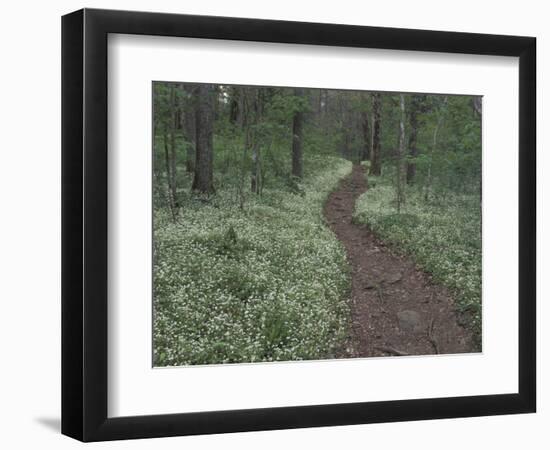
307, 224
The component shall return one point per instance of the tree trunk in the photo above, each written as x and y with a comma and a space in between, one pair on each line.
297, 137
173, 150
168, 172
167, 167
366, 136
234, 105
245, 124
204, 149
375, 166
188, 125
346, 147
413, 150
256, 175
440, 117
256, 172
401, 152
324, 106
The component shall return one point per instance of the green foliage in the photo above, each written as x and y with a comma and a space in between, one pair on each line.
263, 283
455, 161
444, 238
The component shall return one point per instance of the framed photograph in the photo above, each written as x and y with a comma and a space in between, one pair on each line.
273, 225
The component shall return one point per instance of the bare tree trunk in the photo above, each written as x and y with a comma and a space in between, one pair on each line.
234, 105
245, 119
215, 101
440, 116
401, 152
345, 114
297, 138
168, 170
204, 154
188, 126
324, 106
346, 150
366, 136
256, 175
375, 166
173, 169
167, 165
413, 150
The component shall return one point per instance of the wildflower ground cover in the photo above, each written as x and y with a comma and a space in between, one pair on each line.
266, 282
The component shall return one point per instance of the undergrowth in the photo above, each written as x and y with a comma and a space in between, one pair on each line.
265, 282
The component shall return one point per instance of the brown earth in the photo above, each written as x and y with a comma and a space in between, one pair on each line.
396, 307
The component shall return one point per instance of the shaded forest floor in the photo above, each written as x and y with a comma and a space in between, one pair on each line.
397, 309
265, 282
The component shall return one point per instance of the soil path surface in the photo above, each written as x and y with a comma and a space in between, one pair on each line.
396, 308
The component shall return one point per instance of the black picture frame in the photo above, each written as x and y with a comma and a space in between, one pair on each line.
84, 224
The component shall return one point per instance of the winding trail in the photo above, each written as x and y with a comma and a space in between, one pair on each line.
396, 308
